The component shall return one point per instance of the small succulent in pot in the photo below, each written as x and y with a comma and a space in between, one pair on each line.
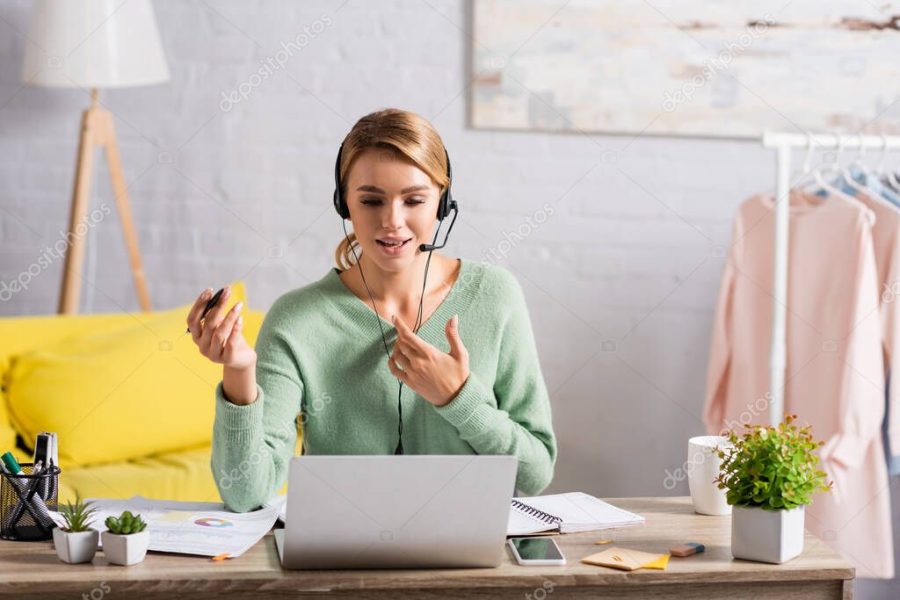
77, 541
125, 524
78, 516
126, 540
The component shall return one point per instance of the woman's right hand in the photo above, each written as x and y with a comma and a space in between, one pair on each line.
218, 335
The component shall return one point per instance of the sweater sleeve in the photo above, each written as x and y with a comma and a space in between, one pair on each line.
520, 425
252, 445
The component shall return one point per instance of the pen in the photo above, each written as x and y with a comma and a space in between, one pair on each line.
209, 304
25, 493
11, 464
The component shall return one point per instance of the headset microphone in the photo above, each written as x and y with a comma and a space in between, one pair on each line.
430, 247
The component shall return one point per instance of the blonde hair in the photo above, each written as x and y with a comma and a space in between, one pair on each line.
404, 134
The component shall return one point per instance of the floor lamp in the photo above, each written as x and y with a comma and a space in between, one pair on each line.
89, 45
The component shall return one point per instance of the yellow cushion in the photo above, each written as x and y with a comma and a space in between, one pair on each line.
118, 392
19, 334
183, 475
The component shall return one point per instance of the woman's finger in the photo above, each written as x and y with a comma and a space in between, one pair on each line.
213, 318
399, 360
403, 330
235, 340
236, 337
401, 375
223, 331
193, 316
412, 344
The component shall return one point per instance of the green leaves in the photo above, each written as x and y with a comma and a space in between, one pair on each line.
78, 516
125, 524
771, 467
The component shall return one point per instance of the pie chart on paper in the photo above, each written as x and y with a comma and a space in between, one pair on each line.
213, 522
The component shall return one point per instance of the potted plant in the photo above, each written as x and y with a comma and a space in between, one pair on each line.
770, 474
126, 540
77, 541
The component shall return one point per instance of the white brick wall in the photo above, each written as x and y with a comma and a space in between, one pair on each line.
631, 253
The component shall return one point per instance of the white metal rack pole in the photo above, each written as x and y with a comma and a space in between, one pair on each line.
783, 143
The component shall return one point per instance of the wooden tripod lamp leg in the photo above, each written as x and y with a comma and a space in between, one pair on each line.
71, 283
97, 129
120, 190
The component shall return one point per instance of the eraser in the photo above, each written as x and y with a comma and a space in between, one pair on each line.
687, 549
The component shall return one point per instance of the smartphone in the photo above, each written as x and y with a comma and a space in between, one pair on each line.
536, 551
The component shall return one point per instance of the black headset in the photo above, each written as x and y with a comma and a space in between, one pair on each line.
445, 206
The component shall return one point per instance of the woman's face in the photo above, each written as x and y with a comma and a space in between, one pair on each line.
393, 208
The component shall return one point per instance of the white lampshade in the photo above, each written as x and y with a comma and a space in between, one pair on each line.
93, 44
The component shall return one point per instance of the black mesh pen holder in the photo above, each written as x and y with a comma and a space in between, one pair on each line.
25, 500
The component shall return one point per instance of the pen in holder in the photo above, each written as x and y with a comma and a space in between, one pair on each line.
25, 499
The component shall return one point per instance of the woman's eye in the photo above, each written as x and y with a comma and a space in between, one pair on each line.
377, 201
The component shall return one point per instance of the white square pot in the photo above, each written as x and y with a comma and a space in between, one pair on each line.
125, 549
78, 547
771, 536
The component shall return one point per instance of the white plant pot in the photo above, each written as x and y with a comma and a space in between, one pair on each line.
771, 536
78, 547
125, 549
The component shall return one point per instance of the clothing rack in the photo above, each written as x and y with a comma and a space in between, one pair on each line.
783, 143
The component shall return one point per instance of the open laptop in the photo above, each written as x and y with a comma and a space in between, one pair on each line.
407, 511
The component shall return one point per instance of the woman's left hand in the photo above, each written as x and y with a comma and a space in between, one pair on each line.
436, 376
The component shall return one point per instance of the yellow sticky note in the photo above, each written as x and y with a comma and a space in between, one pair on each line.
660, 563
627, 560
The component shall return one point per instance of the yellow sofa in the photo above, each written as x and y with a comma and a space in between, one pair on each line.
129, 395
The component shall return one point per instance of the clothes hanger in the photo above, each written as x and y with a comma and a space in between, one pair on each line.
889, 174
861, 166
880, 179
881, 170
805, 177
815, 179
868, 177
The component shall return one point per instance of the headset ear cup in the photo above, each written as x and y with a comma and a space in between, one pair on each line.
441, 210
339, 206
444, 205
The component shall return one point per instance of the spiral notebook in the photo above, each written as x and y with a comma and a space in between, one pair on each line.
566, 513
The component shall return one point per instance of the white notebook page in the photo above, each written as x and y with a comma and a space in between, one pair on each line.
580, 511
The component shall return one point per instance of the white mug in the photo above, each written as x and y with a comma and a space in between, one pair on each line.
703, 467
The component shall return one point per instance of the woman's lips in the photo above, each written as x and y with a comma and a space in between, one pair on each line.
393, 247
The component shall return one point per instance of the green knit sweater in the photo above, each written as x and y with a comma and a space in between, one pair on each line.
321, 363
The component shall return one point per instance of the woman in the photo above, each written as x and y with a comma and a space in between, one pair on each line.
460, 345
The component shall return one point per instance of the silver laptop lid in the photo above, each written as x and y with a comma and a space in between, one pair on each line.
397, 511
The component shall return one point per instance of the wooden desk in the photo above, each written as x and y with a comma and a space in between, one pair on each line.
31, 570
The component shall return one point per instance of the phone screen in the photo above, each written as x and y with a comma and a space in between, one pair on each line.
537, 548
